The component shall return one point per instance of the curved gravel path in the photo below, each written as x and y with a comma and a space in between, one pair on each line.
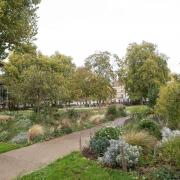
21, 161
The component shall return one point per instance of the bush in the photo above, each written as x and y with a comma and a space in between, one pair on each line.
169, 152
35, 131
152, 127
23, 124
72, 113
168, 105
113, 112
113, 157
143, 139
168, 134
4, 135
164, 173
99, 145
109, 133
21, 138
122, 111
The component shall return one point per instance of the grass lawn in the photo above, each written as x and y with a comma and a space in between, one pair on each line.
136, 108
76, 167
4, 147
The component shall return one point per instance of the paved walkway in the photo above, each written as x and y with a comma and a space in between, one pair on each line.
21, 161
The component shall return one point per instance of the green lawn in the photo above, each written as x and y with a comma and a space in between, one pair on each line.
4, 147
136, 109
76, 167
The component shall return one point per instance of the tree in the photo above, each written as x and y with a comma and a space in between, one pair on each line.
17, 24
33, 78
143, 71
82, 84
168, 104
101, 89
40, 86
100, 64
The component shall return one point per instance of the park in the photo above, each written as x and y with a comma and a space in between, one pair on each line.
109, 118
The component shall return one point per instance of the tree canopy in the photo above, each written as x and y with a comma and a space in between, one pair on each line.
18, 24
143, 70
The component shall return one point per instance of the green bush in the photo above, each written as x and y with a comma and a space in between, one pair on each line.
109, 133
122, 111
164, 173
72, 113
4, 135
152, 127
99, 145
114, 111
168, 105
169, 152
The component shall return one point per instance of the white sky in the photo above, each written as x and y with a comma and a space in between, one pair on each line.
80, 27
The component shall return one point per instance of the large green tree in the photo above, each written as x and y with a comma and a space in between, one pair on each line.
168, 104
18, 24
143, 71
100, 63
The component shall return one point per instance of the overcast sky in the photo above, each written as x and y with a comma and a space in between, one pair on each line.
78, 28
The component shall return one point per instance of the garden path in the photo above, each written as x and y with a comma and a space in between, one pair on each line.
24, 160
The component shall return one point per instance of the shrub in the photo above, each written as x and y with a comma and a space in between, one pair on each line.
167, 134
88, 153
152, 127
122, 111
113, 112
72, 113
96, 119
4, 135
164, 173
99, 145
35, 131
109, 133
143, 139
23, 124
113, 157
21, 138
168, 105
66, 130
169, 152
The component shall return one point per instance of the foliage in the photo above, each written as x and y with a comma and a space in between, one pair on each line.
18, 24
5, 147
168, 134
99, 145
100, 64
23, 123
75, 166
20, 138
168, 105
143, 71
141, 138
169, 152
114, 111
164, 173
72, 113
4, 135
109, 133
35, 131
151, 126
113, 156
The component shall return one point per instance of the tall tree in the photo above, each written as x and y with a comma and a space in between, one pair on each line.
100, 64
18, 27
143, 71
